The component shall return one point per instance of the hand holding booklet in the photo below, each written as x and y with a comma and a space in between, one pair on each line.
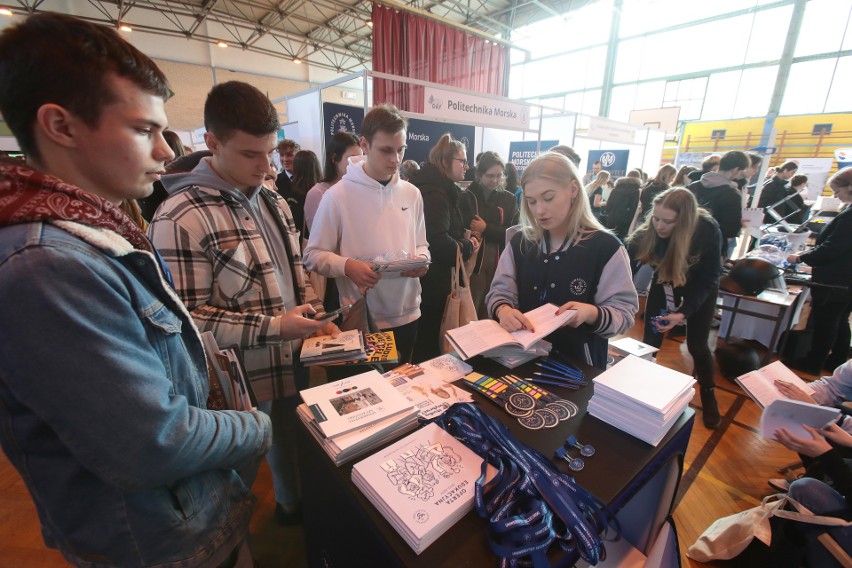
478, 337
791, 414
760, 384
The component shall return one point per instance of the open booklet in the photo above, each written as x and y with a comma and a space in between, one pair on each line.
791, 414
760, 384
480, 336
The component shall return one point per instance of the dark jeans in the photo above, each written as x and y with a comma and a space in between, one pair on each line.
428, 344
830, 324
697, 332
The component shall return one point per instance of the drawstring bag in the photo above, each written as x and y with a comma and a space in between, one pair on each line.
729, 536
459, 309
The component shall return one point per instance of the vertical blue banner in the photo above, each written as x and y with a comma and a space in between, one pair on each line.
523, 152
613, 161
341, 117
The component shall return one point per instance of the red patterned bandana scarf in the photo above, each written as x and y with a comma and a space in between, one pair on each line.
27, 195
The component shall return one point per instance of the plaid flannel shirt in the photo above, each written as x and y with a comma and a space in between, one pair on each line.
225, 274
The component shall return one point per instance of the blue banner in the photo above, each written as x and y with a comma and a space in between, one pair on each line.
341, 117
424, 134
523, 152
613, 161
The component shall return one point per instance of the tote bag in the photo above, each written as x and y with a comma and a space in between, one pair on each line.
729, 536
459, 309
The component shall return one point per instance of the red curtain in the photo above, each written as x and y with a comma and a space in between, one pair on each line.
419, 48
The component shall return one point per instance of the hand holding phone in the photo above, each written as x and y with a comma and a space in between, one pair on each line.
335, 313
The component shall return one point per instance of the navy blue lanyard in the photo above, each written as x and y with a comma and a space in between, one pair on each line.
530, 504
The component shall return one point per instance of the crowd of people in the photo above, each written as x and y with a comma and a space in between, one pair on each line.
125, 462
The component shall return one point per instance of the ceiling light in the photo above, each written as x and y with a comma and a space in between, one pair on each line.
222, 44
297, 61
6, 12
370, 23
125, 28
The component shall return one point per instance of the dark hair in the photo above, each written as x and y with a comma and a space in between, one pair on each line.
734, 159
512, 180
710, 162
235, 105
175, 143
488, 160
568, 152
306, 172
755, 159
55, 58
337, 145
798, 179
408, 169
788, 166
382, 118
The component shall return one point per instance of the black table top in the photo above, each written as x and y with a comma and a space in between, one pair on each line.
618, 460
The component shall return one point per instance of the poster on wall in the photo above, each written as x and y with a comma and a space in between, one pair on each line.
613, 161
341, 117
843, 157
522, 152
424, 134
816, 169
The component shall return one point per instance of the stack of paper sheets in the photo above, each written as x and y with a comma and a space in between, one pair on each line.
641, 398
347, 346
422, 484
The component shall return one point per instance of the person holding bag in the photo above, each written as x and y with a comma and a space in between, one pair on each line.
446, 233
563, 255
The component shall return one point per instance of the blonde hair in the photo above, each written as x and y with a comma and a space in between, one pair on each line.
561, 171
601, 179
443, 153
674, 265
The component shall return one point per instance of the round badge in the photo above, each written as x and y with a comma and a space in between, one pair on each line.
533, 422
516, 412
522, 401
587, 451
561, 411
572, 408
576, 464
550, 418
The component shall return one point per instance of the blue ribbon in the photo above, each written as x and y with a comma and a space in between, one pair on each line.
530, 504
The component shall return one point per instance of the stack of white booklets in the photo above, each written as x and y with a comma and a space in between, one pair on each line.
641, 398
355, 415
422, 484
487, 338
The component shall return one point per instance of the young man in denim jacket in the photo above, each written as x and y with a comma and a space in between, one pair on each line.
103, 378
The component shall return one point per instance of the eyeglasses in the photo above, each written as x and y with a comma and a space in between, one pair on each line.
462, 160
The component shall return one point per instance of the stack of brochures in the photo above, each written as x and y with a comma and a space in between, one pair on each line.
325, 349
487, 338
641, 398
624, 346
422, 484
354, 415
379, 349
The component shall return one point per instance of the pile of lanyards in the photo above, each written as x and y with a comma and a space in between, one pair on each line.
530, 505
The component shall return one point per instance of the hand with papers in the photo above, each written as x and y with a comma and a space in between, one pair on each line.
584, 313
812, 447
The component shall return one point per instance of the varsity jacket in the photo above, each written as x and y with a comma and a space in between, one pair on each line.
595, 270
225, 273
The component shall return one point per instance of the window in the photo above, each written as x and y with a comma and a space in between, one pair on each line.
687, 94
824, 26
841, 86
807, 87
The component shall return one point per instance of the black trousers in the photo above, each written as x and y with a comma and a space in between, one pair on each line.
697, 332
830, 323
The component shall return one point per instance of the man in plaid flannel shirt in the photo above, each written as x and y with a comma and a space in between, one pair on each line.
234, 253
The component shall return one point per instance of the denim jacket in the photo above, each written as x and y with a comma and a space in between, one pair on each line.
103, 389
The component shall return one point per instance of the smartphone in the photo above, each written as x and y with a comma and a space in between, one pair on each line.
335, 313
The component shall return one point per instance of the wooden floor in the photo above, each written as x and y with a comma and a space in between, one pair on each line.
725, 472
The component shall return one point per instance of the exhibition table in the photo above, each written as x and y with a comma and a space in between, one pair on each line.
636, 480
762, 318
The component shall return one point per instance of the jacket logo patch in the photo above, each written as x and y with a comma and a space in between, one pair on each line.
578, 287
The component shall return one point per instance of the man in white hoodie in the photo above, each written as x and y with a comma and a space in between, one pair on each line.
369, 213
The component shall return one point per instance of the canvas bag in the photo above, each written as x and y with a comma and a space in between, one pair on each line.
459, 309
729, 536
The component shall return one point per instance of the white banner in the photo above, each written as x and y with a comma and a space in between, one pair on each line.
610, 130
817, 170
481, 111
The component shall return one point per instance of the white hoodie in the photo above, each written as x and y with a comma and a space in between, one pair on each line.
360, 218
